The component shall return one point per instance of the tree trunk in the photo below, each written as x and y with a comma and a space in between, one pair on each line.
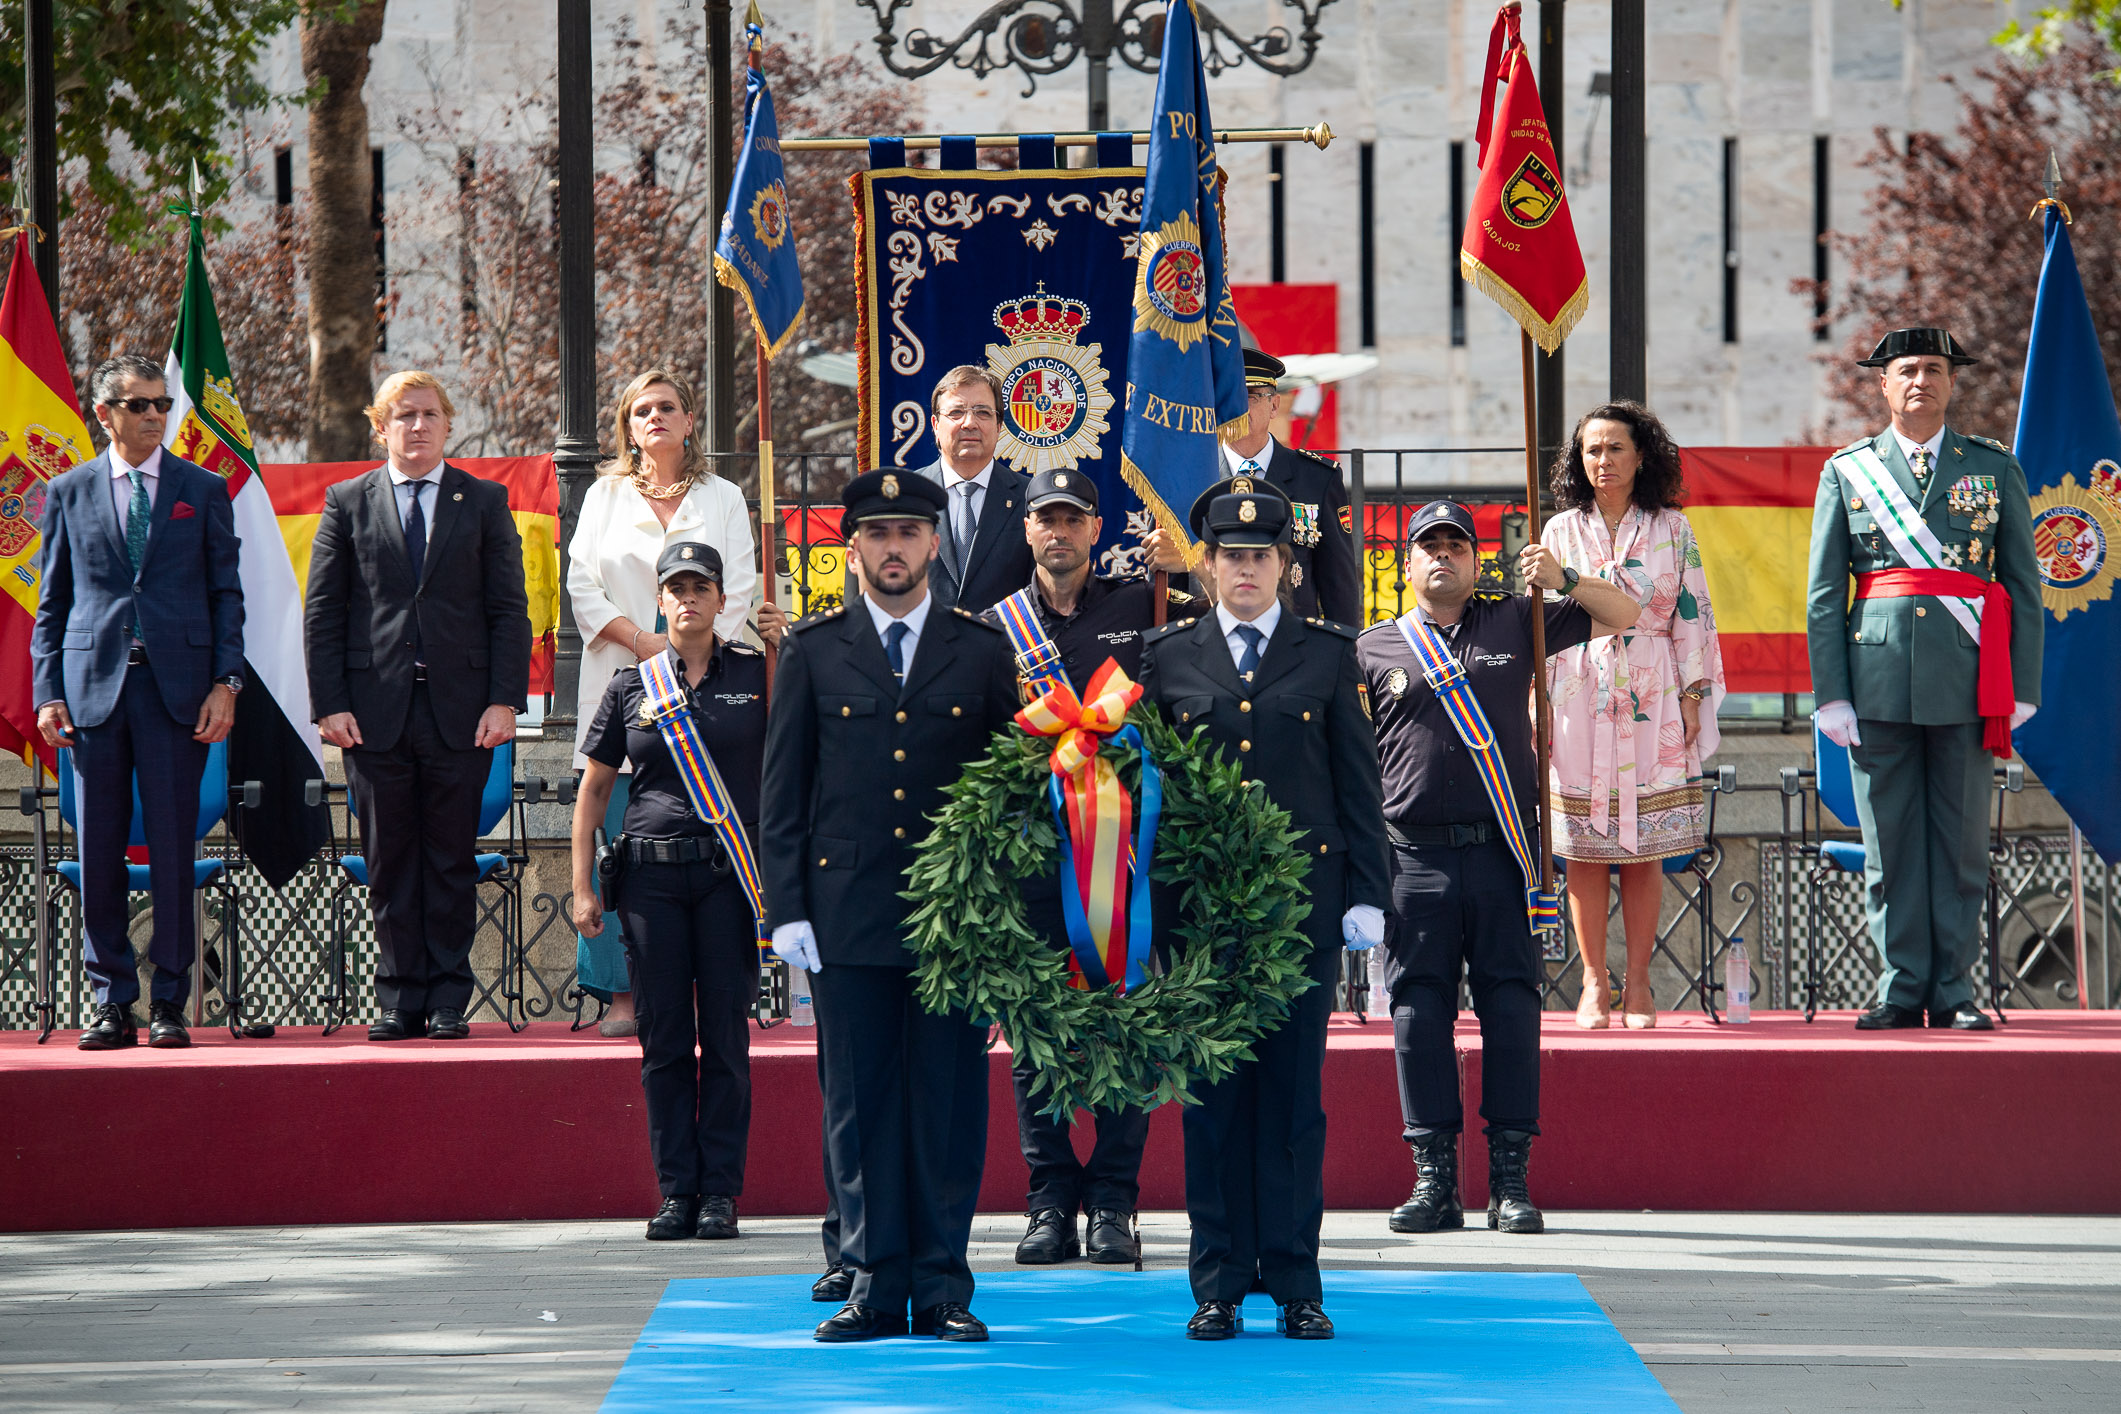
336, 40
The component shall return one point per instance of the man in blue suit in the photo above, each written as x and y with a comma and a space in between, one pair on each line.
137, 654
984, 557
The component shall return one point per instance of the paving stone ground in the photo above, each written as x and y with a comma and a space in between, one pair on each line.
1733, 1312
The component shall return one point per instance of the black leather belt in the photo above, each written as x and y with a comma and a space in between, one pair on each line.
136, 655
693, 849
1450, 836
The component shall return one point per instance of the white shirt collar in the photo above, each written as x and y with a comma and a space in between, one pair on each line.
120, 468
984, 480
399, 478
1933, 446
916, 618
1234, 461
1265, 623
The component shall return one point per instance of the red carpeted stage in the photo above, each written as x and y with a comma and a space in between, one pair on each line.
1777, 1115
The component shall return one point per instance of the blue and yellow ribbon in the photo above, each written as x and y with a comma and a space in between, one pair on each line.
669, 708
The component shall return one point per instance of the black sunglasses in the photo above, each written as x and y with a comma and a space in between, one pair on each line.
136, 406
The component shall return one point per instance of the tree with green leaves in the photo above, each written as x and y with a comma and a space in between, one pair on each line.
145, 88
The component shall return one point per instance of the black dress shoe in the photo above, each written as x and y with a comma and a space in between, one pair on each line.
447, 1024
1887, 1017
1963, 1017
857, 1322
835, 1285
949, 1320
1050, 1238
110, 1027
1215, 1320
1111, 1237
1304, 1320
395, 1026
165, 1026
717, 1217
674, 1219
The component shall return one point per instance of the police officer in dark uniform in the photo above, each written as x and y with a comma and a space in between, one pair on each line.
1278, 694
1088, 619
1458, 892
876, 708
1325, 578
691, 937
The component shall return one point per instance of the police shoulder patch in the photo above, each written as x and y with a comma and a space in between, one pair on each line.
1492, 596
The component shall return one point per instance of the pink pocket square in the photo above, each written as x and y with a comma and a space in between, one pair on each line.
181, 511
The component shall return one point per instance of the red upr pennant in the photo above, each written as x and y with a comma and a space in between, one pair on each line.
1519, 245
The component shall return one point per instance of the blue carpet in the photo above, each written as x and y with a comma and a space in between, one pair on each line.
1078, 1341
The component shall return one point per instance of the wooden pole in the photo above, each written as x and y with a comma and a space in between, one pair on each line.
1160, 597
769, 513
1542, 717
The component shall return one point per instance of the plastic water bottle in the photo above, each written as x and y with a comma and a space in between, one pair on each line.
800, 1010
1737, 984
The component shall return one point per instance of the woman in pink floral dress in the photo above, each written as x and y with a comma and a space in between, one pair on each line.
1633, 714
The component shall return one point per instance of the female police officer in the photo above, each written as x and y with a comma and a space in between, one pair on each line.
1278, 694
692, 720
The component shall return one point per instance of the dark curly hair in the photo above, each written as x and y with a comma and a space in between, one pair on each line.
1658, 482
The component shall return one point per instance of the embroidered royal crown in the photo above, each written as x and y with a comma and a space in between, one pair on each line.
1041, 318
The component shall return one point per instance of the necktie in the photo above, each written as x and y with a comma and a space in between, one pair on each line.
895, 649
137, 515
1249, 467
1921, 463
1249, 663
416, 532
967, 525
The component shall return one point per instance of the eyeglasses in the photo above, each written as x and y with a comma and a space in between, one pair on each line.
136, 406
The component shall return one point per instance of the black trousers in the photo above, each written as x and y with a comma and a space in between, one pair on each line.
905, 1095
1256, 1143
418, 802
138, 741
1460, 911
693, 949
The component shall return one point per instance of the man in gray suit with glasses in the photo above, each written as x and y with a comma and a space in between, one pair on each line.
984, 557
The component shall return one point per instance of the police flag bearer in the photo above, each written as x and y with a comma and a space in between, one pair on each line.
876, 708
1324, 577
1063, 625
1928, 671
1279, 695
1463, 857
692, 719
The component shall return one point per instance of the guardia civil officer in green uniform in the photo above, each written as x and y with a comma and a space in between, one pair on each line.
690, 929
876, 708
1924, 675
1280, 695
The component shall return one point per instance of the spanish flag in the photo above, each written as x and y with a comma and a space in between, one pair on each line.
41, 435
1519, 245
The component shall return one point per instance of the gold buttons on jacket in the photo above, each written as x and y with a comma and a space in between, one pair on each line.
957, 711
1307, 716
846, 711
902, 716
1244, 746
822, 861
899, 833
1322, 849
1859, 635
1921, 612
1244, 706
898, 794
899, 755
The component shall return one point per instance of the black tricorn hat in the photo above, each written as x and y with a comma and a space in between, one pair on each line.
1913, 343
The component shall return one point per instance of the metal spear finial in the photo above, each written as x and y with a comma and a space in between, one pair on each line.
2053, 180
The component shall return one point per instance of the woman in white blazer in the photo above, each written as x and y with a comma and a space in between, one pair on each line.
657, 490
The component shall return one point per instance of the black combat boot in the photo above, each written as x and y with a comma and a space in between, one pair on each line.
1509, 1202
1434, 1204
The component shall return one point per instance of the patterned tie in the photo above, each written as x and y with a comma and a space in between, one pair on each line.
1249, 663
1249, 467
895, 649
416, 532
967, 527
1920, 460
137, 515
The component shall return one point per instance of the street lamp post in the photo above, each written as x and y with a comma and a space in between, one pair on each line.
574, 458
1043, 37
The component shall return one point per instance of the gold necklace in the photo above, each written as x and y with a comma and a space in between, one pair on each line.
661, 493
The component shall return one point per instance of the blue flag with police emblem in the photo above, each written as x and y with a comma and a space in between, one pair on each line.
1185, 367
2069, 442
756, 253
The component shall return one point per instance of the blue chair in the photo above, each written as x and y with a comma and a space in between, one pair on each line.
210, 873
501, 872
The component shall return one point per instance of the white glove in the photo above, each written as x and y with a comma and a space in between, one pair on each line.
1838, 721
1363, 927
796, 945
2021, 714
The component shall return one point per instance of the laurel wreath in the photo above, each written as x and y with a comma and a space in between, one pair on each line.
1237, 950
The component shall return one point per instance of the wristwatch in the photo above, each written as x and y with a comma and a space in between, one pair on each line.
1569, 577
233, 683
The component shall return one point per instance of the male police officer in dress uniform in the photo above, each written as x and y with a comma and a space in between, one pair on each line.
1324, 581
1085, 619
1931, 523
1278, 695
1458, 891
876, 708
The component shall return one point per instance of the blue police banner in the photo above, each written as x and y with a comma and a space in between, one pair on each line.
1028, 274
755, 255
1186, 375
2069, 442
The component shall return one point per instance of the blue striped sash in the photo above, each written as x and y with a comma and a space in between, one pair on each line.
663, 694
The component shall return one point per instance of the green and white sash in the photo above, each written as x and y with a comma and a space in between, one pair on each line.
1909, 534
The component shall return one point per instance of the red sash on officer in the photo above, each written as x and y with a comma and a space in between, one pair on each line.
1994, 697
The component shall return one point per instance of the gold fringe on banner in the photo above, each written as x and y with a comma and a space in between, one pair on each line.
1547, 336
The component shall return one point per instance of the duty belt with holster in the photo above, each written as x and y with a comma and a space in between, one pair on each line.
692, 849
1452, 836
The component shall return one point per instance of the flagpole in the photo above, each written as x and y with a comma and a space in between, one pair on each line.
1542, 710
769, 514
